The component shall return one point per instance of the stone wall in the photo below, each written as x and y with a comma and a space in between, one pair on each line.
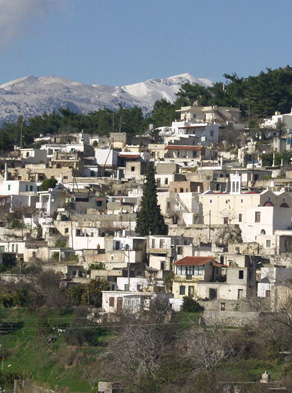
231, 318
237, 313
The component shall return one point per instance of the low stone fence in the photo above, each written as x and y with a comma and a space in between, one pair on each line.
231, 318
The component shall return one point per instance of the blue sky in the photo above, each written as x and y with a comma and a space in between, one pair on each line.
119, 42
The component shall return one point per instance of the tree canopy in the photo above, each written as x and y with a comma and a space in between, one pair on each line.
149, 218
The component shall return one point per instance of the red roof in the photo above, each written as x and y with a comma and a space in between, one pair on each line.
183, 147
268, 203
216, 264
125, 155
194, 261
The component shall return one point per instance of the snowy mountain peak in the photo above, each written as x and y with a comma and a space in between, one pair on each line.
31, 96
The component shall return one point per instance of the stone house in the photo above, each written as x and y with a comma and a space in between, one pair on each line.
135, 169
190, 271
238, 280
163, 250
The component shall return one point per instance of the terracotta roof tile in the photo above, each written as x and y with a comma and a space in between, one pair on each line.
183, 147
194, 261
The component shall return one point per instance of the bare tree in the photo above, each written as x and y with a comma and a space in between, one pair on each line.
205, 349
139, 352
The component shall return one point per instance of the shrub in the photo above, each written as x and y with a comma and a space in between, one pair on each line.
191, 305
48, 183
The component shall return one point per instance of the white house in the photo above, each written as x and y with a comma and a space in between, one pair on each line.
271, 275
204, 133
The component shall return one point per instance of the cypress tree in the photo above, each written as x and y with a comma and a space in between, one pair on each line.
149, 218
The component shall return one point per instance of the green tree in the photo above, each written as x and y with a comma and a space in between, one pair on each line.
149, 218
189, 93
48, 183
163, 113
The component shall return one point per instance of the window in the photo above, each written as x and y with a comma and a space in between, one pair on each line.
168, 205
240, 217
30, 188
284, 200
182, 290
26, 188
132, 169
222, 306
9, 187
211, 133
179, 250
240, 274
66, 230
257, 216
268, 243
166, 181
112, 302
162, 243
126, 287
211, 201
181, 270
161, 265
241, 201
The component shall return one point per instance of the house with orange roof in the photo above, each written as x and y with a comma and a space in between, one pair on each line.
190, 271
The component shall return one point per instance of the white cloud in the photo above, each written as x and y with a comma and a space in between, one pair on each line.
18, 16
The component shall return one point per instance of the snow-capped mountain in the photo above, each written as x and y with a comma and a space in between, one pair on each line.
31, 96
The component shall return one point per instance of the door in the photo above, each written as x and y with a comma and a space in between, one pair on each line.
191, 291
119, 304
240, 294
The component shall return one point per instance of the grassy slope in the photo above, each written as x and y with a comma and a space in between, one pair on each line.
28, 353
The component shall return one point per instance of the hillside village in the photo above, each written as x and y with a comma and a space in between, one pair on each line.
141, 231
70, 205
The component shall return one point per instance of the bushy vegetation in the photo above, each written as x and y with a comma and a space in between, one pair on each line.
151, 353
48, 183
191, 305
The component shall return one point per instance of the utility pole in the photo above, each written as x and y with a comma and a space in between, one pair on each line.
128, 265
121, 120
209, 226
21, 133
113, 122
